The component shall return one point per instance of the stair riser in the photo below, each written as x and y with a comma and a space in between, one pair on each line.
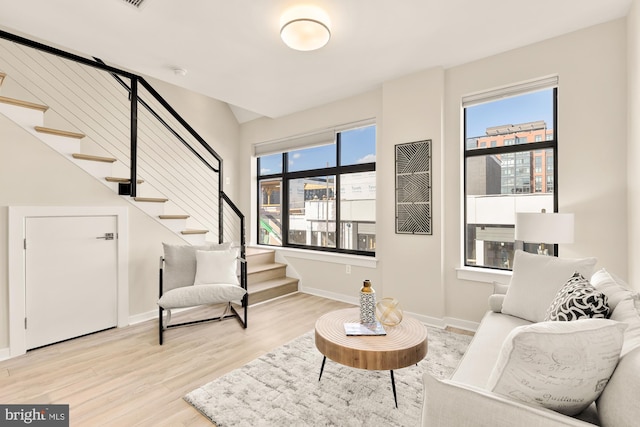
195, 239
98, 169
61, 144
175, 225
260, 259
267, 294
262, 276
153, 209
25, 117
141, 189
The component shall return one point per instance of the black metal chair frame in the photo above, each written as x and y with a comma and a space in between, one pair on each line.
230, 312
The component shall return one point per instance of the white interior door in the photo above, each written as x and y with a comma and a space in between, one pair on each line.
71, 278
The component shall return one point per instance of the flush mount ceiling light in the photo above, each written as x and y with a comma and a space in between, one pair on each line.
305, 28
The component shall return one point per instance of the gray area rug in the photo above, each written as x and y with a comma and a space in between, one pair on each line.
281, 388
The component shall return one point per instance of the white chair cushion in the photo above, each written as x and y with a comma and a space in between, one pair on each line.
190, 296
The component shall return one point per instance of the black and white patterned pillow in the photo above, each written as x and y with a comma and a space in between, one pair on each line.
578, 299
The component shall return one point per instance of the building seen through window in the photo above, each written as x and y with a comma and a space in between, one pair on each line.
509, 167
321, 197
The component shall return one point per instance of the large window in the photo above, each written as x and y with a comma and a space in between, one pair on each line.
510, 164
323, 196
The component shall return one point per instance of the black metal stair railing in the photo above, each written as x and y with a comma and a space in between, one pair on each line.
169, 150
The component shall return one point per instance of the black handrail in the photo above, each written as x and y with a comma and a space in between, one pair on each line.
238, 212
113, 70
164, 123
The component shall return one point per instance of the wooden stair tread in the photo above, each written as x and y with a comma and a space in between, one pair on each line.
93, 158
272, 283
257, 251
25, 104
121, 180
150, 199
194, 231
173, 216
264, 267
59, 132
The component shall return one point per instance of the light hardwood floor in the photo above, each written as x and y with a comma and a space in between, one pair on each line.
122, 377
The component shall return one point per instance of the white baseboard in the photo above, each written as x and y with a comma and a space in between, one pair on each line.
143, 317
461, 324
329, 295
5, 353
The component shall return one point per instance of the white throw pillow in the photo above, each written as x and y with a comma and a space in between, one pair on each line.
216, 267
613, 287
536, 280
563, 366
180, 263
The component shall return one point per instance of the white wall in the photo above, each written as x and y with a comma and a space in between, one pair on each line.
421, 270
590, 65
411, 265
633, 155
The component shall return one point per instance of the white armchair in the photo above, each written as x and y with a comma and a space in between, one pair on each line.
191, 276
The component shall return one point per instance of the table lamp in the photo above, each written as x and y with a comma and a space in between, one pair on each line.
544, 228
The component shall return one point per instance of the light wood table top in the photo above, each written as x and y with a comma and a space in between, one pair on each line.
404, 344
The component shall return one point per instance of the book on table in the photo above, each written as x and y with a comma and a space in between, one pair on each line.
359, 329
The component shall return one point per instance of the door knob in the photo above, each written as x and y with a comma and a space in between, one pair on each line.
107, 236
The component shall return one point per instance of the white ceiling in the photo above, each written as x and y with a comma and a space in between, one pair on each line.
232, 49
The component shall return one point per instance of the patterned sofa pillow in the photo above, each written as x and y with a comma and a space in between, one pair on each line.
578, 299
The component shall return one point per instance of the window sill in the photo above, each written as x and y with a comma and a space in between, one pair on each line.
483, 275
335, 258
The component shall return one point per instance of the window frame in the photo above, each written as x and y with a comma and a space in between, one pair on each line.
546, 144
285, 176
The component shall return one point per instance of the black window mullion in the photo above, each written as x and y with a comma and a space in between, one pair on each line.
285, 200
508, 149
336, 192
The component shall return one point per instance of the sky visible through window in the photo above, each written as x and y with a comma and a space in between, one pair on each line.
510, 111
358, 146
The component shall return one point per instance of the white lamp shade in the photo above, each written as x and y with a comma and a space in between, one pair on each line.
544, 227
305, 28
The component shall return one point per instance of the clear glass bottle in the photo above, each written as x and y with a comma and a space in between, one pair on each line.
367, 303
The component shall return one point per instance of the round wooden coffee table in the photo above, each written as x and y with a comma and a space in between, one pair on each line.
404, 345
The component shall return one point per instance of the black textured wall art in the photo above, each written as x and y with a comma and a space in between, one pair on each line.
413, 187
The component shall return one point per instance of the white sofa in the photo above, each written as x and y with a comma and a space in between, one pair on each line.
468, 399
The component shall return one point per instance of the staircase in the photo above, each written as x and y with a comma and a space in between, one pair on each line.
266, 278
31, 116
